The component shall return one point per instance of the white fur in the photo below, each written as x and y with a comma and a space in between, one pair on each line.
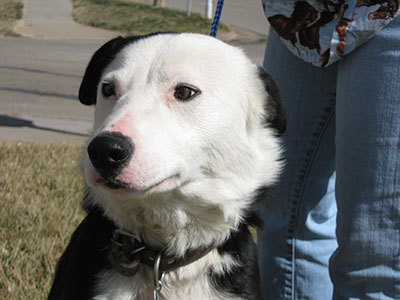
196, 164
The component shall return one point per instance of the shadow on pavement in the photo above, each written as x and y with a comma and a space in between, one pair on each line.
40, 93
31, 70
8, 121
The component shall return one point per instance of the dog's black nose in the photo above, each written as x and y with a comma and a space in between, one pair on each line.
110, 152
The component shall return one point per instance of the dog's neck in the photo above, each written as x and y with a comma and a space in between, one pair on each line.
170, 221
191, 233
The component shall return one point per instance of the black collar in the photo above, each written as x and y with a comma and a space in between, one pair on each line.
127, 253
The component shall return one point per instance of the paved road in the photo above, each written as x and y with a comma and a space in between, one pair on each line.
39, 78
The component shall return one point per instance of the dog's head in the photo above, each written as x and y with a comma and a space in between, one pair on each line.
180, 114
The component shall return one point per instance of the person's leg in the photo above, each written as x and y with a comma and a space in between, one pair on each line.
367, 262
299, 219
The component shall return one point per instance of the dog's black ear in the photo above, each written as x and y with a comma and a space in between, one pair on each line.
100, 60
276, 116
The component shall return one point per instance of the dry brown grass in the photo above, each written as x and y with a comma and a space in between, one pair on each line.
40, 194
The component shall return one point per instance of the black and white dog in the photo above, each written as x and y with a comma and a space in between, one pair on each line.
185, 137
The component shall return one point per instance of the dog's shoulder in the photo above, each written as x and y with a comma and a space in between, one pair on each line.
84, 257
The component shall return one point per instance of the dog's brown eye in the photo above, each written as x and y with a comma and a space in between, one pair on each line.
185, 93
108, 89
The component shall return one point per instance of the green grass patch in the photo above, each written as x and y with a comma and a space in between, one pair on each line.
40, 194
10, 13
134, 17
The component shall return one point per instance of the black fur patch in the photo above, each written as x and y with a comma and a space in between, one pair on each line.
243, 281
85, 256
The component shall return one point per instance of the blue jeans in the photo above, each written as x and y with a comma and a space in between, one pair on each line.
332, 228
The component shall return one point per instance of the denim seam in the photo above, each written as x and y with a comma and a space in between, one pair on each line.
298, 194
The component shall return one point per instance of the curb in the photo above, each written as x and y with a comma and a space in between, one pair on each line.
80, 32
63, 32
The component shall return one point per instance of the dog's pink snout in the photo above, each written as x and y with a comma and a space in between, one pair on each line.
110, 152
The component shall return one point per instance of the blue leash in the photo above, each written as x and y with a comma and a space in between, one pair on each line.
218, 12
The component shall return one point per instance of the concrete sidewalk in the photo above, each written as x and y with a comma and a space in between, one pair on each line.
52, 19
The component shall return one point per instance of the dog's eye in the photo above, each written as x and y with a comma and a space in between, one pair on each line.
185, 92
108, 89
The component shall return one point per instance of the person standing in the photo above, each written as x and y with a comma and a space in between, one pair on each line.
332, 229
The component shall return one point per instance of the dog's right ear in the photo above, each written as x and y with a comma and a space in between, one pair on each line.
100, 60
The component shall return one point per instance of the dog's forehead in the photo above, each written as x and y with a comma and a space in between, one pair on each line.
181, 52
189, 45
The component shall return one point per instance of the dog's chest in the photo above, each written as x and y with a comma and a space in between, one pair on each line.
113, 286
